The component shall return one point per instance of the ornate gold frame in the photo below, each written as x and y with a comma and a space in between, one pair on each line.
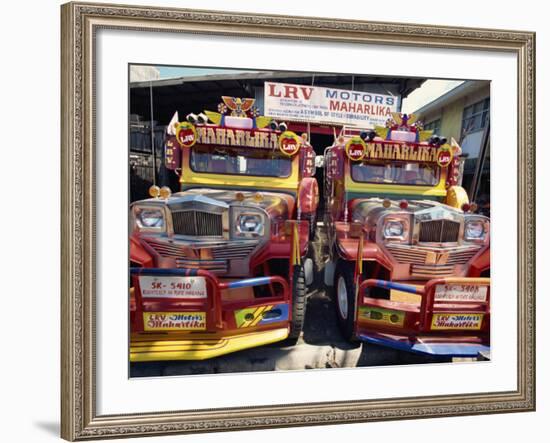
79, 23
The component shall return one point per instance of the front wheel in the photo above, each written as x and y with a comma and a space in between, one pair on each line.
298, 303
344, 290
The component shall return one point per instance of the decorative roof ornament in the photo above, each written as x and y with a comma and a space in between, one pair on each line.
238, 106
236, 112
255, 111
403, 127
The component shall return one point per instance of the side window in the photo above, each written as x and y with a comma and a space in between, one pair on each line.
434, 125
475, 117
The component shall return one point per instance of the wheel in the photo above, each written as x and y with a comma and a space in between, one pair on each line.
298, 304
344, 291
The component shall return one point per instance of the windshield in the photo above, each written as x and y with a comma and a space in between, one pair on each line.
392, 172
240, 161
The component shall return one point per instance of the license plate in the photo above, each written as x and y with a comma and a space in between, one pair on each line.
172, 287
457, 321
460, 292
174, 321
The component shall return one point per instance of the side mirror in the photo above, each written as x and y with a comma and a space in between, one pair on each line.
319, 161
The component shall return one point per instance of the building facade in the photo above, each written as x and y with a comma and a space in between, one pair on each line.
463, 113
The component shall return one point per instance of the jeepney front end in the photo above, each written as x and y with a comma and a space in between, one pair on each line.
216, 268
432, 294
409, 258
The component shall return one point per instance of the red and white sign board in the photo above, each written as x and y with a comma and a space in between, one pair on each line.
287, 102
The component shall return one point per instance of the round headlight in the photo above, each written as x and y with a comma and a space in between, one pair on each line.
250, 224
150, 218
474, 230
393, 228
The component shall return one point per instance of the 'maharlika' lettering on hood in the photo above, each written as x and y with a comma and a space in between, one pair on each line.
394, 151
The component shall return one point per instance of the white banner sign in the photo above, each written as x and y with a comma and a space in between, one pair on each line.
283, 101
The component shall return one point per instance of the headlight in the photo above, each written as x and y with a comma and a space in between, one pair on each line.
474, 230
149, 218
250, 224
395, 229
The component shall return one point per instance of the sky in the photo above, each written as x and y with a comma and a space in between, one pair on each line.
429, 91
170, 71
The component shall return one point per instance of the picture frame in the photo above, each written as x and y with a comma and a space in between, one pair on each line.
80, 23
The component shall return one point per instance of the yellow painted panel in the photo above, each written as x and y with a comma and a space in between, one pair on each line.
145, 347
174, 321
382, 316
428, 191
453, 321
405, 297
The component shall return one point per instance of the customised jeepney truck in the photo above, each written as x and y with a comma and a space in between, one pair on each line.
409, 259
220, 266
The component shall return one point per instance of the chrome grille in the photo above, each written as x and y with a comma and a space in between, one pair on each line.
166, 249
220, 251
197, 223
214, 266
439, 231
417, 256
430, 271
233, 252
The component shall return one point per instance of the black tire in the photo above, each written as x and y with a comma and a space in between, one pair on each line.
298, 304
344, 275
312, 220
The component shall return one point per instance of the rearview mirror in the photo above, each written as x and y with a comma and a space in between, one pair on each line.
319, 161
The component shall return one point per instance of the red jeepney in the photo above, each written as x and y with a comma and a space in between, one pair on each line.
221, 265
409, 257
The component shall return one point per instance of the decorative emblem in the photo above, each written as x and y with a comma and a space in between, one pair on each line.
238, 106
289, 143
255, 111
186, 134
403, 122
356, 148
222, 108
444, 155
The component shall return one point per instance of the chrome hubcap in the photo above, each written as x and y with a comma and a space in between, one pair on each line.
342, 295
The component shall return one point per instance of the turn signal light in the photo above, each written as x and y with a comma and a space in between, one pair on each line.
403, 204
386, 203
466, 207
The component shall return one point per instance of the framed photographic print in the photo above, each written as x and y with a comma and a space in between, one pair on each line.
285, 220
